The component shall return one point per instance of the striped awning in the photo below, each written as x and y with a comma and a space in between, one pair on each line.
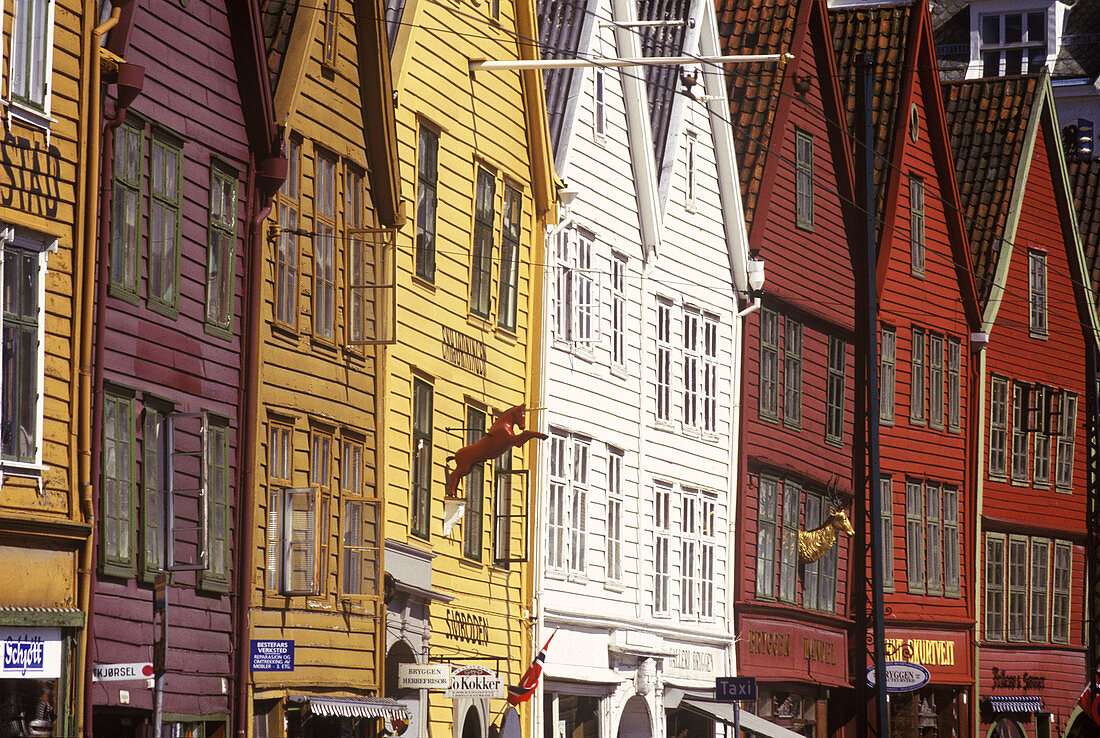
363, 707
1013, 703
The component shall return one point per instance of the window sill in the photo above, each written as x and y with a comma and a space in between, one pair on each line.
424, 282
665, 425
710, 436
22, 469
576, 578
168, 310
554, 574
1063, 490
123, 293
30, 117
218, 331
619, 370
618, 587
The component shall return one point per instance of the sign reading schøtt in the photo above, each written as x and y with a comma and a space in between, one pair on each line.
122, 672
475, 682
423, 676
272, 655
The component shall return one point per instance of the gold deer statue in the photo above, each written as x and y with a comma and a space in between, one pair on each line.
813, 544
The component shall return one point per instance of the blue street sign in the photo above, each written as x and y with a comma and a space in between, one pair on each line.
734, 689
272, 655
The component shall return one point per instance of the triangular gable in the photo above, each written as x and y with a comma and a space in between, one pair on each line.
246, 36
1085, 176
566, 30
663, 80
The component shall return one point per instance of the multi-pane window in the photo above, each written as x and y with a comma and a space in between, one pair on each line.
916, 387
563, 284
886, 486
887, 374
154, 480
222, 248
710, 373
286, 256
324, 249
792, 373
361, 526
299, 532
1060, 599
691, 176
708, 533
766, 519
509, 258
916, 225
1067, 427
914, 534
1040, 588
481, 264
474, 486
164, 216
819, 577
834, 392
618, 310
216, 576
578, 508
1037, 293
994, 587
769, 364
1013, 43
688, 543
118, 484
804, 179
692, 362
599, 106
361, 262
951, 541
280, 455
664, 361
998, 427
126, 226
788, 546
614, 546
576, 292
935, 380
933, 532
587, 295
427, 185
31, 53
555, 514
330, 32
421, 502
22, 354
1017, 588
1019, 432
1041, 452
662, 547
502, 509
954, 378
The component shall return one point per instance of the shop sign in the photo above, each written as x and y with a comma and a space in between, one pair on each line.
272, 655
423, 676
778, 650
122, 672
466, 627
946, 654
30, 653
692, 662
475, 682
901, 676
1023, 681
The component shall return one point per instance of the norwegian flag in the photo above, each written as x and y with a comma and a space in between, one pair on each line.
530, 679
1089, 701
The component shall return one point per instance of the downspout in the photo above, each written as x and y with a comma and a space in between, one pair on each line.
978, 342
90, 129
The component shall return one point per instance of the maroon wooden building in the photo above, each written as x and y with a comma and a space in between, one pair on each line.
182, 181
793, 619
928, 311
1038, 309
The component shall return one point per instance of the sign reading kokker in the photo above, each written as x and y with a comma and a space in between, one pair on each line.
475, 682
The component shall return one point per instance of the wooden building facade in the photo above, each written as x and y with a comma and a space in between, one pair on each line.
1039, 312
323, 300
185, 147
45, 515
794, 618
475, 151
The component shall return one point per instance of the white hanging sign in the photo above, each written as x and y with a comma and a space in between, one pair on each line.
30, 653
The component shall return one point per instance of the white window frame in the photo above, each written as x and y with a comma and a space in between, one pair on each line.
615, 504
688, 545
663, 369
24, 111
1067, 437
1020, 446
577, 291
1037, 293
692, 369
281, 525
580, 464
662, 548
1000, 47
708, 545
618, 313
599, 104
556, 504
998, 428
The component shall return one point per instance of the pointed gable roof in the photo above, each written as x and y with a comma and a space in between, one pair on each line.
988, 120
278, 20
562, 25
662, 81
1085, 176
748, 27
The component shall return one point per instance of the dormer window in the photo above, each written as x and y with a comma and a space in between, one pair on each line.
1013, 43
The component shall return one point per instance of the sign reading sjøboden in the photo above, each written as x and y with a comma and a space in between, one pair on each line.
30, 653
272, 655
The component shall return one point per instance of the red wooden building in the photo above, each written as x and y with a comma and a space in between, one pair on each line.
928, 310
1038, 309
181, 182
794, 619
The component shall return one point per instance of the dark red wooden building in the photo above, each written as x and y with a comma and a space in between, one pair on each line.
928, 311
793, 619
181, 186
1038, 309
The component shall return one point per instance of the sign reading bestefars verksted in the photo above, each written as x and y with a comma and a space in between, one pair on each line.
272, 655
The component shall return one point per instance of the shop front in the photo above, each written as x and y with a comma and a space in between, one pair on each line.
941, 707
801, 670
35, 683
1029, 692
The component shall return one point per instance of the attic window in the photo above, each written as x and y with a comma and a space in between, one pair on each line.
1013, 43
914, 124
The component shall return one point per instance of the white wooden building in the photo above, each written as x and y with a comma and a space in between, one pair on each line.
645, 278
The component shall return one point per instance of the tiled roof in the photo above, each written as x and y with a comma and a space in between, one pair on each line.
754, 27
881, 32
663, 81
987, 119
277, 17
951, 30
1084, 177
1079, 55
560, 26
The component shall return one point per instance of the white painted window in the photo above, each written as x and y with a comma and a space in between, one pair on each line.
1019, 433
710, 373
588, 296
576, 292
567, 514
32, 57
662, 545
692, 367
578, 518
559, 484
614, 514
293, 533
708, 541
1063, 474
664, 361
618, 311
689, 577
1037, 293
792, 373
1013, 43
767, 514
599, 103
998, 427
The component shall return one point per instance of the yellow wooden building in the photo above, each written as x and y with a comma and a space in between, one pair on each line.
45, 499
323, 311
477, 169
